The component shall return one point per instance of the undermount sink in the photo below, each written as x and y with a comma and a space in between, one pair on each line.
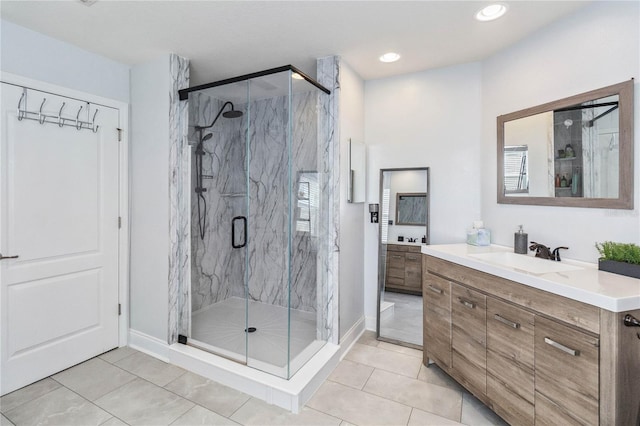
523, 262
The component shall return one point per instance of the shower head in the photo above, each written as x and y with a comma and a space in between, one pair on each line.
206, 137
232, 114
229, 114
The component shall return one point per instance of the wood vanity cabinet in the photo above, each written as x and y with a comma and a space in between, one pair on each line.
566, 369
469, 337
510, 361
404, 269
437, 313
534, 357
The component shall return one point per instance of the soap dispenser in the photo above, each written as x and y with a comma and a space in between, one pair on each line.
520, 242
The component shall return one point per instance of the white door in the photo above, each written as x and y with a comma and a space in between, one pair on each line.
59, 215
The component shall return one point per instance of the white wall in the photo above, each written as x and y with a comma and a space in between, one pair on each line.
149, 292
426, 119
596, 47
40, 57
351, 290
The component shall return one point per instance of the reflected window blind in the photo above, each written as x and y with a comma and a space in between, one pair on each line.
516, 178
386, 193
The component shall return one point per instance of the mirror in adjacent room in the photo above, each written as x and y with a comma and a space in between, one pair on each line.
403, 228
357, 172
575, 152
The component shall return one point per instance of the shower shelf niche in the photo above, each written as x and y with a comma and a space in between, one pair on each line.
233, 194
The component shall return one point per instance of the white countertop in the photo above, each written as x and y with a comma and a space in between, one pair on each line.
612, 292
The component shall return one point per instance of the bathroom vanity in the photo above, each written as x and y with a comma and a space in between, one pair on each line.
404, 268
539, 342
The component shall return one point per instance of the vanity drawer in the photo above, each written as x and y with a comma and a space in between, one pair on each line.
437, 320
469, 335
510, 361
566, 370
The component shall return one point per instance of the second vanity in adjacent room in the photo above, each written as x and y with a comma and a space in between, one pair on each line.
539, 342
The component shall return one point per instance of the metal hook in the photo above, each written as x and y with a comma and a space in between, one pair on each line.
78, 122
40, 117
60, 119
93, 122
20, 112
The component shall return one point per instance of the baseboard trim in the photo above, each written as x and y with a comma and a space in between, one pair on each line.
149, 345
351, 337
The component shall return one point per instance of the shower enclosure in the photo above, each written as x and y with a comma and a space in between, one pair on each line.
258, 215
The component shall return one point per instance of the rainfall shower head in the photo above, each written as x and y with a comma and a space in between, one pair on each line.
233, 113
229, 114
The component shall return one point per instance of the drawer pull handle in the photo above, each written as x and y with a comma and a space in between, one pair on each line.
466, 303
396, 257
412, 258
506, 321
435, 289
562, 347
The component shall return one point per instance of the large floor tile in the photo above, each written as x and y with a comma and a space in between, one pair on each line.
201, 416
351, 374
142, 403
434, 375
116, 355
401, 349
385, 360
424, 418
256, 412
114, 421
475, 413
27, 393
58, 407
94, 378
5, 421
214, 396
368, 338
427, 397
358, 407
150, 368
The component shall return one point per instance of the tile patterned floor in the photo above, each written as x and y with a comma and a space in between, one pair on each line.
376, 384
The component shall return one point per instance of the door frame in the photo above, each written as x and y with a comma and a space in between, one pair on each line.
123, 182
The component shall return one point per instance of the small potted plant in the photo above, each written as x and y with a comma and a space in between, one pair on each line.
619, 258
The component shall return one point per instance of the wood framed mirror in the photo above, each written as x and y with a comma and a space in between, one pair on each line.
574, 152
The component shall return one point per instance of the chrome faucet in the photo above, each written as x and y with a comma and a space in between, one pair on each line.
545, 252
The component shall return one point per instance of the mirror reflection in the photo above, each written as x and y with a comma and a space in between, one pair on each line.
404, 227
568, 152
411, 208
574, 152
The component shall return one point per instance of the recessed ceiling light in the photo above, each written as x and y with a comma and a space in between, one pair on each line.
87, 2
297, 76
389, 57
491, 12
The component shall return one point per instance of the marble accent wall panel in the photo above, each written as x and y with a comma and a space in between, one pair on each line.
217, 270
328, 74
179, 207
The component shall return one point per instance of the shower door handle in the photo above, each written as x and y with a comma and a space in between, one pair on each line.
233, 232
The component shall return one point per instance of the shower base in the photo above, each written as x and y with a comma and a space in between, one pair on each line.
220, 328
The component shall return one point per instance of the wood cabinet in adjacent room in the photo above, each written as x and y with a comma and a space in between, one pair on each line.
404, 269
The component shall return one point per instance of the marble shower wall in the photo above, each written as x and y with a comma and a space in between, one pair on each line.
328, 74
217, 269
179, 208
